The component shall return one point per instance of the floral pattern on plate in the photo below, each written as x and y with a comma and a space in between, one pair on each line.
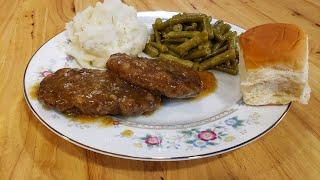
224, 132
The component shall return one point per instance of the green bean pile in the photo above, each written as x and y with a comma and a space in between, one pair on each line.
190, 39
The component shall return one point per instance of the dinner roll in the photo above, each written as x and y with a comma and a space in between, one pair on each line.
274, 64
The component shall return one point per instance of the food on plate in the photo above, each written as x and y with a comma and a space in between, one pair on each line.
274, 64
209, 84
163, 77
217, 60
97, 32
190, 39
171, 58
94, 92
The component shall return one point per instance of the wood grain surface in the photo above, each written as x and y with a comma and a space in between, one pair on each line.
28, 150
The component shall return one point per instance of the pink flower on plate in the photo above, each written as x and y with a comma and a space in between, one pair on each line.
46, 73
207, 135
69, 58
153, 140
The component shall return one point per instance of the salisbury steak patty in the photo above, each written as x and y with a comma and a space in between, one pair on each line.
163, 77
94, 93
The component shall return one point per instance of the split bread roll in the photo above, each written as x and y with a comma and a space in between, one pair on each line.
274, 65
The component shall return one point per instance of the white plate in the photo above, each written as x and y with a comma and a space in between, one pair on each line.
179, 130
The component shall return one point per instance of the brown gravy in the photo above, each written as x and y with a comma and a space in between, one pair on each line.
209, 84
148, 113
33, 92
102, 121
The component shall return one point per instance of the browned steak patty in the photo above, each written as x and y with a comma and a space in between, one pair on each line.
94, 93
163, 77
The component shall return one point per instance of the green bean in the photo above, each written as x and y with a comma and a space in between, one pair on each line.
168, 57
191, 40
221, 38
207, 27
194, 14
160, 47
181, 34
216, 60
173, 53
237, 61
156, 34
198, 60
168, 29
158, 21
217, 45
177, 15
228, 64
213, 53
227, 35
205, 45
232, 44
224, 65
210, 19
196, 66
217, 35
155, 31
234, 62
152, 38
174, 49
227, 70
151, 51
197, 53
218, 26
237, 58
184, 18
195, 41
170, 46
217, 23
218, 51
177, 27
175, 41
224, 28
192, 27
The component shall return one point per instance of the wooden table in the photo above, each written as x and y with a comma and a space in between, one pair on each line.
29, 150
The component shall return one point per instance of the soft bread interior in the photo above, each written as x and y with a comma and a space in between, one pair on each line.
273, 85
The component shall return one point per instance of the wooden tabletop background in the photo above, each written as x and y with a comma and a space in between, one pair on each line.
28, 150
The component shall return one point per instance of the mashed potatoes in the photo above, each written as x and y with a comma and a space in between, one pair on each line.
110, 27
